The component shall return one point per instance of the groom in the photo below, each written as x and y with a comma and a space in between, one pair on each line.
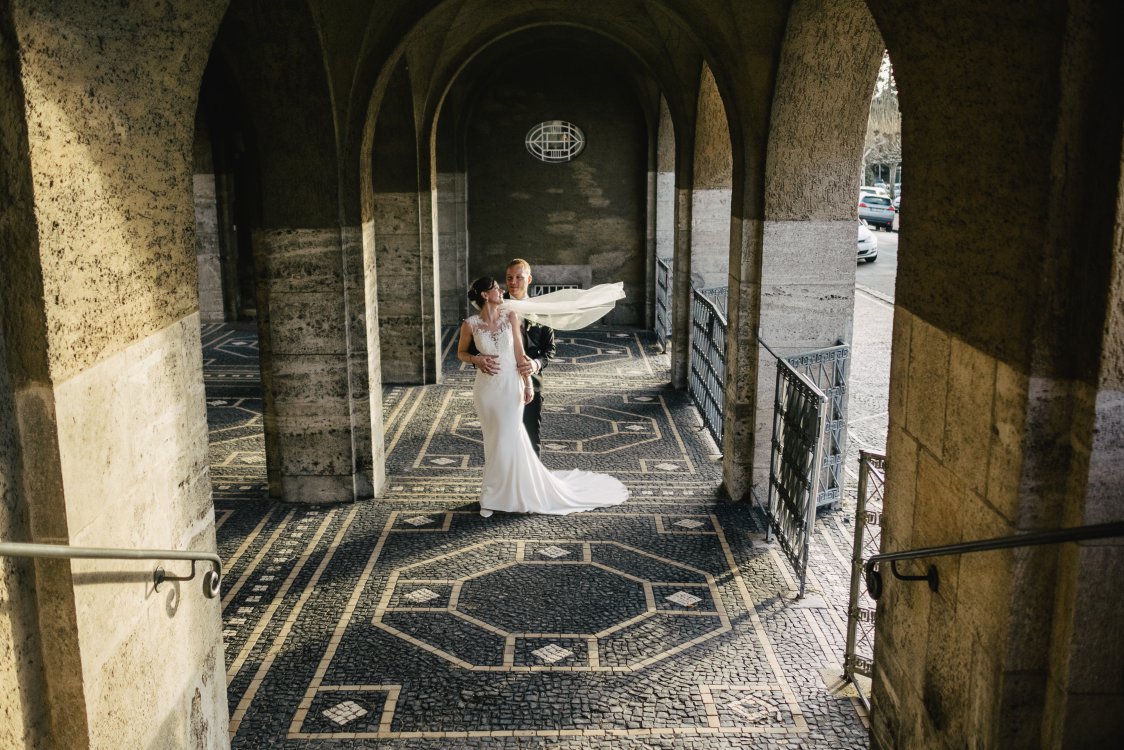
538, 348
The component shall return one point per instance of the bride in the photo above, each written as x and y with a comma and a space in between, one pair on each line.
515, 480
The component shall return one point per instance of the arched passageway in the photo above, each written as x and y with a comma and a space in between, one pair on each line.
1002, 390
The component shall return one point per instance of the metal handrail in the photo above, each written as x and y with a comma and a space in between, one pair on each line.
1054, 536
212, 579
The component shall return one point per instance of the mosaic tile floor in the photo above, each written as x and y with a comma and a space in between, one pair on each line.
410, 621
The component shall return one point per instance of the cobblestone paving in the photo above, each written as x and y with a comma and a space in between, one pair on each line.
410, 621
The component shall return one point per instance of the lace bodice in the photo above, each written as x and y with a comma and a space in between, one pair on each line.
497, 341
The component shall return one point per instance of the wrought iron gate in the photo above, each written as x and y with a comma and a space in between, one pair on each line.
868, 537
663, 302
799, 419
706, 379
827, 368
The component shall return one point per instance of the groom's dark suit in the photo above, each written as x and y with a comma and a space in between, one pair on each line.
538, 344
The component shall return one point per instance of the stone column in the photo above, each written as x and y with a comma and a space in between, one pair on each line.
207, 232
207, 249
741, 404
453, 245
665, 200
681, 292
816, 129
403, 241
366, 432
305, 365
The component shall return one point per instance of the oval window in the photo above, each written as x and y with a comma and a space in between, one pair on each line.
555, 141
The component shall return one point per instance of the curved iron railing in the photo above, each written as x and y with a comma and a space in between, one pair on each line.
212, 579
1054, 536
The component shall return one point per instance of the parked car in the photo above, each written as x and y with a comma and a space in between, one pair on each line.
898, 203
868, 244
877, 211
874, 190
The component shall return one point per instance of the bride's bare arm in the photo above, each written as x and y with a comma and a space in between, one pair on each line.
517, 340
483, 362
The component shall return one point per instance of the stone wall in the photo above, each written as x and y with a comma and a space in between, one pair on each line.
108, 394
589, 211
1001, 390
710, 190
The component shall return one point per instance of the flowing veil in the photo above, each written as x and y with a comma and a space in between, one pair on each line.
568, 309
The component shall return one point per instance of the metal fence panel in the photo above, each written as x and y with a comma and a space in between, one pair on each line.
707, 377
827, 368
663, 302
859, 655
799, 420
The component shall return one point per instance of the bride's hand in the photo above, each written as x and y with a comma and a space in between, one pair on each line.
528, 395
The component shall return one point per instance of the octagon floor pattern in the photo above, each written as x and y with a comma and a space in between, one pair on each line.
410, 621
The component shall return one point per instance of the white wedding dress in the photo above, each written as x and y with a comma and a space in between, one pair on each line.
515, 480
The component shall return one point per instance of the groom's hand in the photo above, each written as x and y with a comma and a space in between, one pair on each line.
527, 366
486, 363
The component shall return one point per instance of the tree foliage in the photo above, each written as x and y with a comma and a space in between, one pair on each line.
883, 143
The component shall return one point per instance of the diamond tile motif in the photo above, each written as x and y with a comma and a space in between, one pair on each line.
421, 595
688, 523
552, 653
418, 520
667, 467
345, 712
635, 428
554, 446
553, 551
684, 599
643, 398
442, 461
755, 710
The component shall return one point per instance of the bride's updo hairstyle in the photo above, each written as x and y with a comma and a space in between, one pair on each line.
477, 289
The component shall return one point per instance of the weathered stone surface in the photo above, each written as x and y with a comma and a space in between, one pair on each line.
309, 324
207, 249
928, 385
294, 261
142, 407
968, 413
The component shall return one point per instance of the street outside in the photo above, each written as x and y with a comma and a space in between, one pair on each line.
869, 379
879, 276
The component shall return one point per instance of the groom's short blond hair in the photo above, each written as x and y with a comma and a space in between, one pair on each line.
519, 262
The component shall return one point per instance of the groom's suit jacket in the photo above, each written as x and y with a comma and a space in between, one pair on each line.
538, 343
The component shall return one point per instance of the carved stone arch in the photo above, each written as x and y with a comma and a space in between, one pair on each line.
817, 123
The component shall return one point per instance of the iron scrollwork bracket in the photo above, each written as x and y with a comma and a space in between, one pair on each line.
211, 580
874, 584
